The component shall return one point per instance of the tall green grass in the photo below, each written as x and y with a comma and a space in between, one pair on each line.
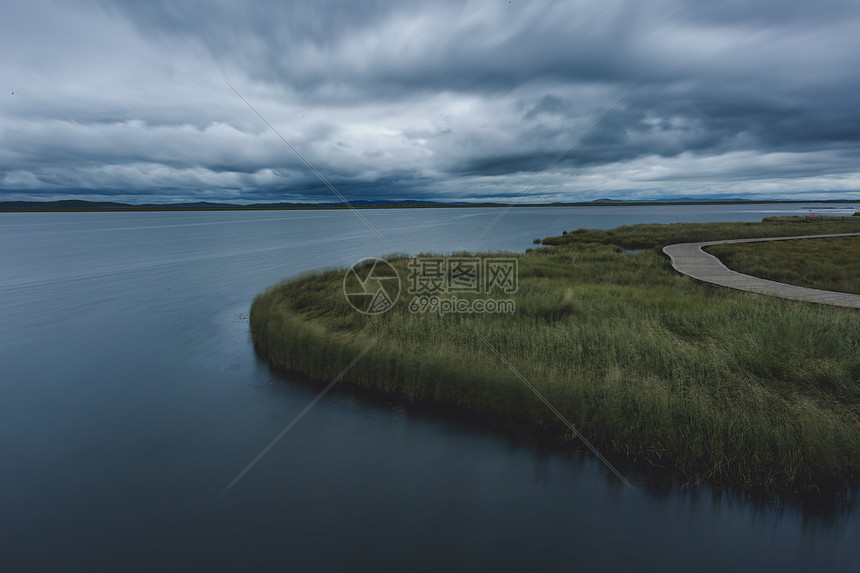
720, 385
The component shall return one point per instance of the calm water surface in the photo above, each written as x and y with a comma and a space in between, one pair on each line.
130, 396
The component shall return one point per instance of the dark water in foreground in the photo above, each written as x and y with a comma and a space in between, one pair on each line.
130, 396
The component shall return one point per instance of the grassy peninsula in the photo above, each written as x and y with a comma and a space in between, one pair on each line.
714, 384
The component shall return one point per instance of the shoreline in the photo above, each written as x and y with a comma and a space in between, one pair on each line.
653, 479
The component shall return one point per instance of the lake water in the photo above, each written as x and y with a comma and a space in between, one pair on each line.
130, 396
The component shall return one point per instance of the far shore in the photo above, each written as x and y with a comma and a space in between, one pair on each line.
78, 206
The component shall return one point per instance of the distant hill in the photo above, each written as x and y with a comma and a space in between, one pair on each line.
683, 200
80, 205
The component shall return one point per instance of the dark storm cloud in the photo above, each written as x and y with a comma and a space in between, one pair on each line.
441, 100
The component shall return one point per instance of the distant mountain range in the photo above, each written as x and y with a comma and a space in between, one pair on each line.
683, 200
79, 205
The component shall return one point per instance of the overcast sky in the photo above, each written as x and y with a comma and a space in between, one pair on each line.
455, 101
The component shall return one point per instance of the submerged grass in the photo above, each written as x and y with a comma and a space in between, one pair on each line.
720, 385
828, 264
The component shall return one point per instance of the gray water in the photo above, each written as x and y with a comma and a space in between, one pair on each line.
130, 396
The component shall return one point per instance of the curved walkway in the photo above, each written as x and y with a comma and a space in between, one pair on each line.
689, 259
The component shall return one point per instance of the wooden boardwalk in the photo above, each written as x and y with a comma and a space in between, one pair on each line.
689, 259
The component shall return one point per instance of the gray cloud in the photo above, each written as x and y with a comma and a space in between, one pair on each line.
443, 100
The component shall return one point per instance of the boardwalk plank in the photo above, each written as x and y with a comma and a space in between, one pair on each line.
689, 259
